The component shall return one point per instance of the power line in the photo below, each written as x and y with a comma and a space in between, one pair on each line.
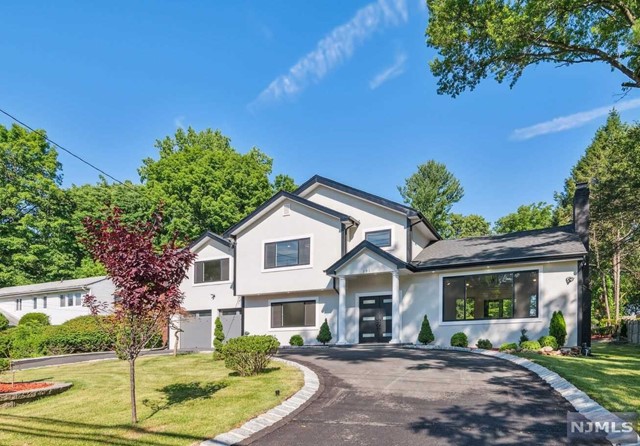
65, 150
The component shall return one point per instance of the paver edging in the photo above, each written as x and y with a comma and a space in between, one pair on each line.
580, 401
274, 415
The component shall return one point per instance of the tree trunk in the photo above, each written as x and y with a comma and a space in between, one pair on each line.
616, 276
132, 385
603, 275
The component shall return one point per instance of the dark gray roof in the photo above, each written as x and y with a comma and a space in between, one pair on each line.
212, 235
541, 244
365, 244
50, 287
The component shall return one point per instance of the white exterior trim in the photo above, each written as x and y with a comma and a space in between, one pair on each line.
487, 270
286, 239
294, 299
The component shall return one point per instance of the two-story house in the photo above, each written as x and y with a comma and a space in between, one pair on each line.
374, 268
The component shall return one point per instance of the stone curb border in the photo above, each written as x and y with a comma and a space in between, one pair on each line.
584, 405
251, 427
26, 396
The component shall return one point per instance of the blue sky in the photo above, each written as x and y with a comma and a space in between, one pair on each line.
331, 87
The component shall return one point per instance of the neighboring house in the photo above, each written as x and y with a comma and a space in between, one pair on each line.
373, 268
60, 300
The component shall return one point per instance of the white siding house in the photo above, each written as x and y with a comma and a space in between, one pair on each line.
61, 300
374, 268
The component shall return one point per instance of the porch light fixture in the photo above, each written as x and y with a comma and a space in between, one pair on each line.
570, 279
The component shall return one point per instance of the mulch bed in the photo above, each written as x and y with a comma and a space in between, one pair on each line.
17, 387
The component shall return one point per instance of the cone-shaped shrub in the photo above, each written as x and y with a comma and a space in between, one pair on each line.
218, 338
325, 333
426, 334
558, 328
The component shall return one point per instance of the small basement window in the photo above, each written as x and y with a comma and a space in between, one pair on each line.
381, 239
293, 314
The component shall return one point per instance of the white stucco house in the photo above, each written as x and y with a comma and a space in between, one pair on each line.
60, 300
374, 268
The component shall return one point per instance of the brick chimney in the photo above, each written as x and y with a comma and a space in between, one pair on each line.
581, 212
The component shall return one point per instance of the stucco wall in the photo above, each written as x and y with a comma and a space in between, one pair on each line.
103, 290
370, 216
301, 222
258, 316
422, 294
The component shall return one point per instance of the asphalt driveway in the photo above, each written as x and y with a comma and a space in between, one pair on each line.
392, 396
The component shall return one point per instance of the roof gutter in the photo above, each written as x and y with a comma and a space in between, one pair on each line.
418, 268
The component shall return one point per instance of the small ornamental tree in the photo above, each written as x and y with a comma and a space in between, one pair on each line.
146, 279
325, 333
558, 328
218, 338
426, 334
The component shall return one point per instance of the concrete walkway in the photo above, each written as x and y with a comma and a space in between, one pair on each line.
391, 396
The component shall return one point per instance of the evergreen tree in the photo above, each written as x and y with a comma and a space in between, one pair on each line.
325, 333
426, 334
558, 328
218, 338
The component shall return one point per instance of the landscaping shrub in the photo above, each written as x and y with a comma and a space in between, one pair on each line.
530, 345
296, 340
548, 341
485, 344
4, 322
508, 346
325, 333
558, 328
249, 355
35, 318
5, 365
218, 338
624, 330
27, 340
426, 334
523, 336
79, 335
459, 340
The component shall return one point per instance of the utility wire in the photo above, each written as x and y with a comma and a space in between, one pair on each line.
66, 150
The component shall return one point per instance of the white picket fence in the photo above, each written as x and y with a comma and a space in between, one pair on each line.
633, 331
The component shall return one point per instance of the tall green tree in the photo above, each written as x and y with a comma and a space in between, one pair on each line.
477, 39
34, 212
285, 183
472, 225
432, 190
526, 217
204, 183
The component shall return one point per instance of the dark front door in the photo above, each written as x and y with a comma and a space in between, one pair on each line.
375, 319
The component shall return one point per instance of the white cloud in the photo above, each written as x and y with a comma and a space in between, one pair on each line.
333, 49
563, 123
179, 122
390, 72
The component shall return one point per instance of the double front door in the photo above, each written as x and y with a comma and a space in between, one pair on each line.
375, 319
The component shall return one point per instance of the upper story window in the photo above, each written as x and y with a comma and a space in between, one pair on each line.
491, 296
381, 239
71, 300
208, 271
287, 253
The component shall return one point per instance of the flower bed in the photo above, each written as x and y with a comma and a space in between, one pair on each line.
19, 387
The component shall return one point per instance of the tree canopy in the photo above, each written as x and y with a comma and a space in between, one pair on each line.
477, 39
432, 190
526, 217
472, 225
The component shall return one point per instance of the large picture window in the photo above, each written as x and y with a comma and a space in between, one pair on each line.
287, 253
212, 271
491, 296
293, 314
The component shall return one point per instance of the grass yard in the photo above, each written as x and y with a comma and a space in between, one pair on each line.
611, 376
181, 401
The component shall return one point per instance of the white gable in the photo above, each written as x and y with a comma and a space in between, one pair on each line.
366, 262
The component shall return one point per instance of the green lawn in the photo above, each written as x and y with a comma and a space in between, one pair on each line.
611, 376
186, 399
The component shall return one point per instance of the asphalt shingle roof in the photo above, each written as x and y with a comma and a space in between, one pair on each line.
48, 287
558, 242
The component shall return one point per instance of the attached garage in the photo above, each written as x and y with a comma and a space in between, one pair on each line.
197, 330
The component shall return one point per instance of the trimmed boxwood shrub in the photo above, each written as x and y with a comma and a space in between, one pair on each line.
530, 345
508, 346
459, 340
296, 341
249, 355
79, 335
548, 341
4, 322
426, 334
35, 318
485, 344
558, 328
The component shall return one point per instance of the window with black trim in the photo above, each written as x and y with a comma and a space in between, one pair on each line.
287, 253
18, 304
381, 239
491, 296
293, 314
212, 271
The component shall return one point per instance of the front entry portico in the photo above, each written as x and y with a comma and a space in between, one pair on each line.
364, 262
